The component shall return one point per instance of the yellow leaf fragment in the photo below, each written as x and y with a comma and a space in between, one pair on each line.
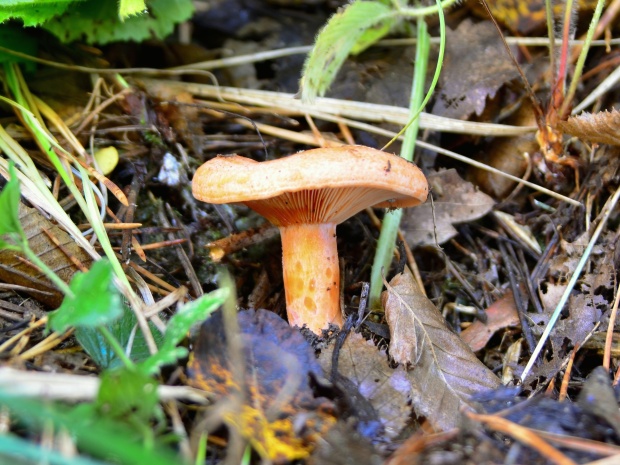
107, 159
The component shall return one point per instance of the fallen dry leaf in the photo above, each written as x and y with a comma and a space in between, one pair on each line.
455, 201
601, 128
387, 390
475, 67
443, 371
580, 316
501, 314
15, 270
506, 154
582, 313
280, 416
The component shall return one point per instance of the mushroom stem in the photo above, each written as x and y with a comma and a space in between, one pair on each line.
311, 275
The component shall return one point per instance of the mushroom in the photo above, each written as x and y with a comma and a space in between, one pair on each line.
306, 195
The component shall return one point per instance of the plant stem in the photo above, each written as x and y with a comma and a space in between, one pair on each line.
391, 220
428, 10
116, 347
582, 58
442, 49
551, 34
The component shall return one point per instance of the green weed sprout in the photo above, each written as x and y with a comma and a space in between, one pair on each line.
355, 28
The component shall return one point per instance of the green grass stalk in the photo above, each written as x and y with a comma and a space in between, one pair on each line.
582, 58
87, 202
42, 138
391, 221
551, 34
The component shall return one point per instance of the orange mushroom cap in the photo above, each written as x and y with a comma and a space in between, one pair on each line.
315, 186
321, 187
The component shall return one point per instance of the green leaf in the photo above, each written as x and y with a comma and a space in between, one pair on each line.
127, 8
179, 325
373, 35
97, 21
9, 206
351, 30
94, 434
33, 12
127, 392
98, 348
95, 301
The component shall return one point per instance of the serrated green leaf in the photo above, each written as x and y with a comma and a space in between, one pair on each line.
362, 20
165, 356
95, 301
127, 392
373, 35
98, 348
9, 205
33, 12
192, 313
98, 22
127, 8
179, 325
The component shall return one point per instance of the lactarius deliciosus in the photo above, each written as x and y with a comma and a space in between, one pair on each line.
306, 195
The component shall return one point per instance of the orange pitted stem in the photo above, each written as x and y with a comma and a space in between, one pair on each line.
311, 275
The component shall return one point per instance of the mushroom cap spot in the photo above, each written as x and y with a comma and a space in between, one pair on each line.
314, 186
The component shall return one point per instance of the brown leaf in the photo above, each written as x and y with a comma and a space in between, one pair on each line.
601, 128
280, 416
15, 270
506, 154
367, 367
475, 67
585, 303
583, 312
454, 200
501, 314
578, 320
444, 372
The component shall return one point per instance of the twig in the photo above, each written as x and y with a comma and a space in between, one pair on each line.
453, 155
344, 108
567, 373
516, 292
523, 435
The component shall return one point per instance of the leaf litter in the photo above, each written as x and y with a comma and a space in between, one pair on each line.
468, 236
443, 371
454, 201
366, 367
476, 67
